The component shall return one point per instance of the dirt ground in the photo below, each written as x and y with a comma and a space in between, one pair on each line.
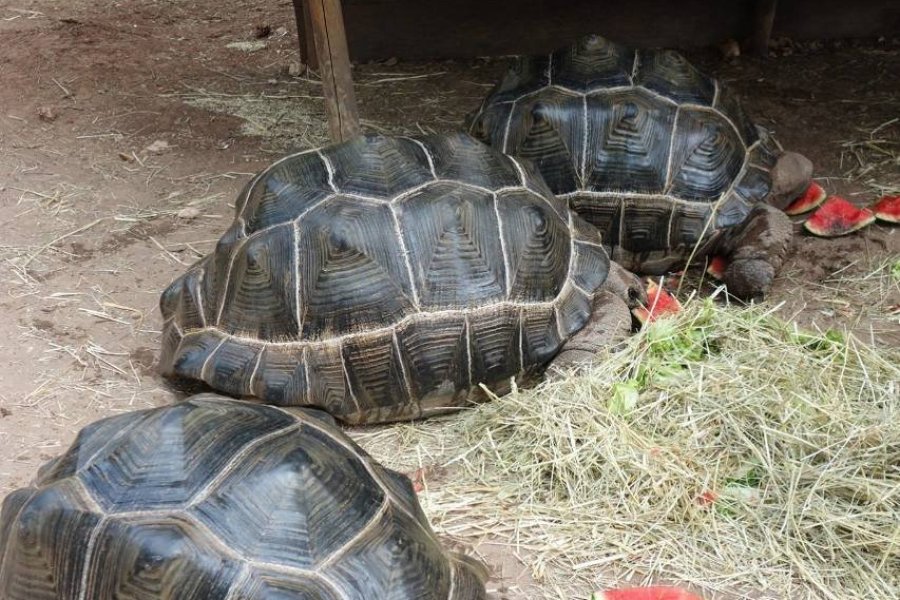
92, 204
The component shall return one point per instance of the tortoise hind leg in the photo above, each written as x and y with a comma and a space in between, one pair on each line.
755, 251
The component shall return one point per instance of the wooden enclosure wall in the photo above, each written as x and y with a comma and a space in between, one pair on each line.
418, 29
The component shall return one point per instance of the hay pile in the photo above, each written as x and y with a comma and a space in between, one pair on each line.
723, 448
292, 121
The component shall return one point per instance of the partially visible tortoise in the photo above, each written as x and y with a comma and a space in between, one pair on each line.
386, 278
658, 156
218, 499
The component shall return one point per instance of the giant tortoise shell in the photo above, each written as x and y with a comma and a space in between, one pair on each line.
644, 146
384, 279
222, 499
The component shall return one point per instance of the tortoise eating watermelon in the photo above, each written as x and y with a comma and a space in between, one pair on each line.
659, 157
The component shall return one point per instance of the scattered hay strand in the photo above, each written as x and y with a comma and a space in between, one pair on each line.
60, 238
298, 122
837, 297
724, 449
875, 159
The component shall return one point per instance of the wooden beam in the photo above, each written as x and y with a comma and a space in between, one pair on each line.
327, 23
761, 26
305, 35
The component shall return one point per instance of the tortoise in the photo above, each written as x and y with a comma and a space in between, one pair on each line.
220, 498
385, 278
658, 156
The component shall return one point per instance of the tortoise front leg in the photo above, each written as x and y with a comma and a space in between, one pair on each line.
755, 251
610, 320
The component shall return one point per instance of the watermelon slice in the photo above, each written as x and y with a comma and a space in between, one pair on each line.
707, 498
811, 198
716, 267
838, 217
659, 303
887, 209
647, 593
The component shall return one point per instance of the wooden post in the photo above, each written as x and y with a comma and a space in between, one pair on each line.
761, 32
327, 22
304, 33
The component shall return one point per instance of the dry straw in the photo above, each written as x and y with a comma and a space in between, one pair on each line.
875, 159
723, 449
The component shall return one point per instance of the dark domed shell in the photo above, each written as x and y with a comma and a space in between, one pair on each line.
651, 151
217, 498
383, 279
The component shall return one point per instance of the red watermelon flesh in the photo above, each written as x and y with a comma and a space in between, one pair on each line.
659, 303
811, 198
838, 217
649, 593
716, 267
887, 209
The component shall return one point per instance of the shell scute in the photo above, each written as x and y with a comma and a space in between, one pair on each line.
541, 339
669, 74
376, 166
42, 542
545, 134
537, 247
281, 376
436, 354
495, 345
454, 235
352, 275
285, 191
155, 466
375, 373
526, 75
707, 155
593, 61
261, 297
460, 158
293, 501
148, 557
629, 138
